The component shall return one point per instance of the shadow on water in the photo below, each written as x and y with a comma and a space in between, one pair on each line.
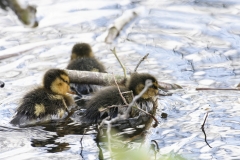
120, 137
57, 146
61, 129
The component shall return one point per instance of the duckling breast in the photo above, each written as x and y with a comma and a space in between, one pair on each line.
145, 104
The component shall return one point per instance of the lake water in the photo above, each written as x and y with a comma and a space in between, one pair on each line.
191, 43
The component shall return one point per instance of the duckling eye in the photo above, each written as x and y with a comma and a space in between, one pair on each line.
59, 84
65, 81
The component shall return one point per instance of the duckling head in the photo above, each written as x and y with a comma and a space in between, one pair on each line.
81, 50
137, 84
57, 81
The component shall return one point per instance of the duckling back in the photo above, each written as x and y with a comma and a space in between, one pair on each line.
86, 64
82, 59
41, 105
102, 99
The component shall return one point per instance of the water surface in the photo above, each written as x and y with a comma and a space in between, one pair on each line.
191, 43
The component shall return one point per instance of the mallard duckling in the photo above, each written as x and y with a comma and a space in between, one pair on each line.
81, 50
82, 59
46, 102
110, 96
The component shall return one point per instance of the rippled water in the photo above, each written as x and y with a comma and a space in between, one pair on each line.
191, 43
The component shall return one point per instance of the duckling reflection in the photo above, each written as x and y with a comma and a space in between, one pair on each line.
82, 59
110, 96
61, 128
47, 102
56, 146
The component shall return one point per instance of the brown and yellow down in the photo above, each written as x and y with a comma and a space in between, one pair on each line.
44, 102
110, 96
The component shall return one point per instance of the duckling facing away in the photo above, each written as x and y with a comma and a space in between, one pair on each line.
82, 59
46, 102
110, 96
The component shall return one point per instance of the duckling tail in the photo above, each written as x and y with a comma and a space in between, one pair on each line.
16, 120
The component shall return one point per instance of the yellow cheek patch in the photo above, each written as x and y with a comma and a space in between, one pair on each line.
59, 86
155, 84
139, 88
61, 113
151, 92
65, 77
56, 85
65, 86
39, 108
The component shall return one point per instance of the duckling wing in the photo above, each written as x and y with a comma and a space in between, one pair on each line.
86, 64
38, 104
100, 101
27, 107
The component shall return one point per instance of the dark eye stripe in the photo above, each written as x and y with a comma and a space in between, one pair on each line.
64, 80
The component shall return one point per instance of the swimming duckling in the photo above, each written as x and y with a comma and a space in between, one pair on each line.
82, 59
110, 96
80, 50
46, 102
